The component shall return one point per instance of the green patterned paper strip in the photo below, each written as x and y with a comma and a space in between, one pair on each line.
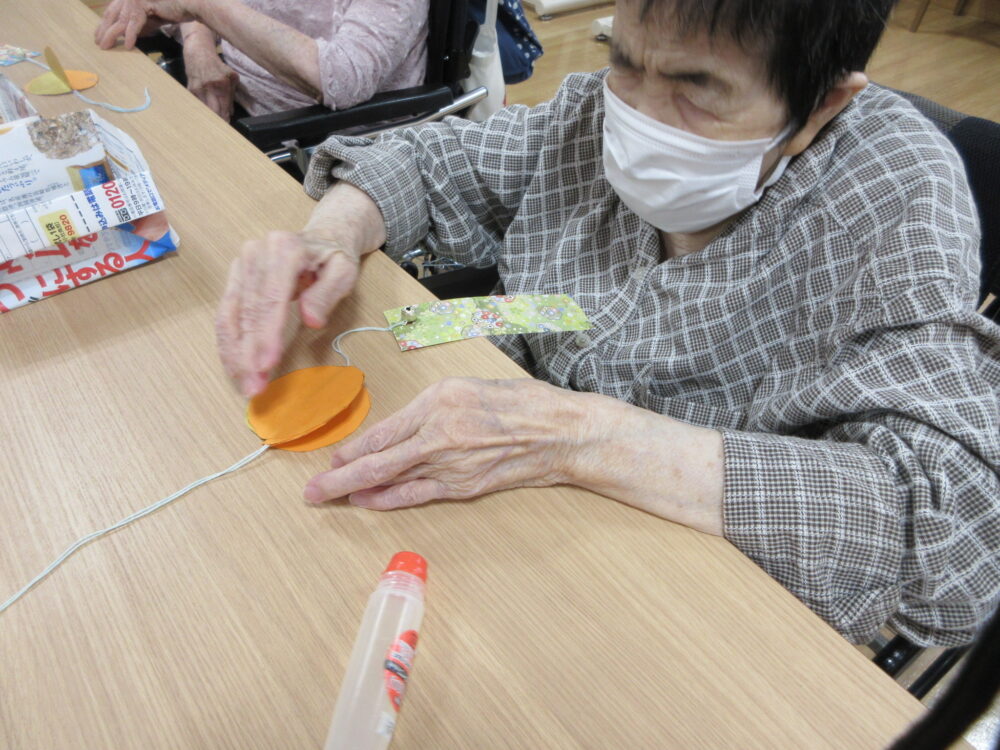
467, 317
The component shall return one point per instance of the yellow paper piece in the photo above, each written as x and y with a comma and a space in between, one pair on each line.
57, 227
335, 430
56, 67
302, 401
47, 84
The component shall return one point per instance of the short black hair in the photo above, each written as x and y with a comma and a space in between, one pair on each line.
808, 45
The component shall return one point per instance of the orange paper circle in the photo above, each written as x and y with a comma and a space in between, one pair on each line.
335, 430
81, 79
302, 401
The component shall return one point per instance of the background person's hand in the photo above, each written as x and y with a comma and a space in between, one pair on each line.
264, 283
212, 81
458, 439
133, 18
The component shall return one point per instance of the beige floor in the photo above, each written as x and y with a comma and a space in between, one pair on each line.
954, 60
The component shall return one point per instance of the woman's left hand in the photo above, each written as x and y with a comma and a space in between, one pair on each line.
212, 81
458, 439
132, 18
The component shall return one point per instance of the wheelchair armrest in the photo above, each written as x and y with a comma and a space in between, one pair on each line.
310, 125
160, 42
463, 282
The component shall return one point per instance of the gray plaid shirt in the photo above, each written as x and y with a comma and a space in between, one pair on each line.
829, 334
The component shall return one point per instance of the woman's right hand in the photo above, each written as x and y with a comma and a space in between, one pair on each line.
313, 270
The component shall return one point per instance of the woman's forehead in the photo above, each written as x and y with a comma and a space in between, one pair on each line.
703, 22
668, 50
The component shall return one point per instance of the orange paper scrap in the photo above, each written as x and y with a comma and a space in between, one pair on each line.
301, 402
336, 429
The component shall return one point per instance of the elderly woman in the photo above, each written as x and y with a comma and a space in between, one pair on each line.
281, 55
780, 262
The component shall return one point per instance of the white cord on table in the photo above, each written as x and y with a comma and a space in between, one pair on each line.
125, 521
160, 503
336, 342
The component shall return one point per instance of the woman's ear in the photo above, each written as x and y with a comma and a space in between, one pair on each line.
832, 105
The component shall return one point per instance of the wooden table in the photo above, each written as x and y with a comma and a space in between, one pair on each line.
556, 618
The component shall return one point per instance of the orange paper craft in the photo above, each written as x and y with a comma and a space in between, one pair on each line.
59, 80
335, 430
48, 84
302, 401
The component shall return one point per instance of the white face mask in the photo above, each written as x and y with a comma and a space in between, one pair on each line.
678, 181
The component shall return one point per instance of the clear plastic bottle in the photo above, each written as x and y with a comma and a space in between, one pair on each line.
375, 681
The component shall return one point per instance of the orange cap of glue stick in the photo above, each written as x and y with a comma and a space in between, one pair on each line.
408, 562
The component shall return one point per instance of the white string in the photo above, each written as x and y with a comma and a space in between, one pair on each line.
180, 493
125, 521
115, 107
106, 105
336, 342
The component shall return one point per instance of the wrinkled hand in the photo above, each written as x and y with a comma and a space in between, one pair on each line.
458, 439
131, 18
212, 81
264, 283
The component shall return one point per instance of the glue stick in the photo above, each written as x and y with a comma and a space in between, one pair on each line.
376, 677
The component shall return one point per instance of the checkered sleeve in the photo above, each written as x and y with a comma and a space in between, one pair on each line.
880, 502
454, 184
